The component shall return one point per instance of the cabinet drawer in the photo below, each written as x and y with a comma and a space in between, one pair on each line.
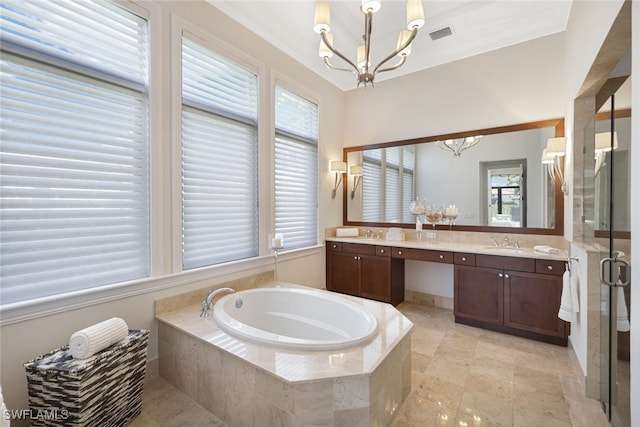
334, 246
546, 266
423, 255
383, 251
506, 262
355, 248
461, 258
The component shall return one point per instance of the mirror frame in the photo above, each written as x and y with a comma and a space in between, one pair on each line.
558, 230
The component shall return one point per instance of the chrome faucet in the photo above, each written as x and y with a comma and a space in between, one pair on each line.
206, 304
505, 242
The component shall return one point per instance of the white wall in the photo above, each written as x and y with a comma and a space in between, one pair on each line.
517, 84
39, 327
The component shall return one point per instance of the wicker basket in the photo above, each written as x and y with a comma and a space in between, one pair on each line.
103, 390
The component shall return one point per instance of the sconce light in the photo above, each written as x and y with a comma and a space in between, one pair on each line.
338, 168
547, 163
604, 143
356, 172
556, 148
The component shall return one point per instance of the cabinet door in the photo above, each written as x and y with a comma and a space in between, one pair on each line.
478, 294
375, 277
343, 273
532, 301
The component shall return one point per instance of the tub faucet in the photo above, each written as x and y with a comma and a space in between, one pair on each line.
206, 304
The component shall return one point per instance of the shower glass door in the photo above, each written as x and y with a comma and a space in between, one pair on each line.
612, 150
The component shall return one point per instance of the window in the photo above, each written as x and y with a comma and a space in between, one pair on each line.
74, 194
219, 159
388, 184
296, 169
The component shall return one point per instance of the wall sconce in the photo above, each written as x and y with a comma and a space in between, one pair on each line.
547, 163
605, 142
556, 148
338, 168
356, 172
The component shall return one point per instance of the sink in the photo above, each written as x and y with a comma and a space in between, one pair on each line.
505, 250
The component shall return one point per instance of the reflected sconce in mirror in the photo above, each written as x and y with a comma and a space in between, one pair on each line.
605, 142
457, 146
547, 162
339, 168
557, 148
356, 172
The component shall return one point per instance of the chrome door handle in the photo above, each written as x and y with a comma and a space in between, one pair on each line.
606, 265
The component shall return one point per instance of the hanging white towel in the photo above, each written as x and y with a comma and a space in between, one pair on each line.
566, 307
623, 314
88, 341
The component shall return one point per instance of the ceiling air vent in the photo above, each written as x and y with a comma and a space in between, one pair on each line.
444, 32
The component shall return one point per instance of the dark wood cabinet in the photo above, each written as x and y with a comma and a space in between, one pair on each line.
520, 296
478, 294
531, 302
365, 270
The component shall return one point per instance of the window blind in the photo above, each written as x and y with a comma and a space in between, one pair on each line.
408, 166
219, 159
74, 193
296, 169
372, 185
393, 189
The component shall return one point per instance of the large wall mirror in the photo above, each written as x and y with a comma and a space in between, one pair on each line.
493, 179
621, 224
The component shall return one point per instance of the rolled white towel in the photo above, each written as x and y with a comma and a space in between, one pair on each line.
4, 422
546, 249
87, 342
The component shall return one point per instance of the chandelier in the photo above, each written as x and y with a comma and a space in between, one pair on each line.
365, 74
457, 146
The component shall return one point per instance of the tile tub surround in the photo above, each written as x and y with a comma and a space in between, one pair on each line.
361, 386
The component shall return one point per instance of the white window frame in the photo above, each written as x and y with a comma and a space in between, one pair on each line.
279, 79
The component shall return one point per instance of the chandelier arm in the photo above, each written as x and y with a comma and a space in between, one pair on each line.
394, 67
414, 32
328, 64
446, 147
332, 49
368, 28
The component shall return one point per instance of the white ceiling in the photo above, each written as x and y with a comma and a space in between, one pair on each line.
477, 26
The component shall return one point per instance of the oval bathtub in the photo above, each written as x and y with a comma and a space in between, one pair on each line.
295, 318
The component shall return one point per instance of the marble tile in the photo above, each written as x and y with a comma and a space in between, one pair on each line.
509, 381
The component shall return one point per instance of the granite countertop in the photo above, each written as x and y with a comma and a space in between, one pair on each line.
472, 247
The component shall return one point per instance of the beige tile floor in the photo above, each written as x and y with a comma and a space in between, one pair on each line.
462, 377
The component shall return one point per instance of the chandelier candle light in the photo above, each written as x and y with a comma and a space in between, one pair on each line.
362, 67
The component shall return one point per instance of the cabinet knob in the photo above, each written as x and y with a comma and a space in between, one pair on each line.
464, 258
355, 257
506, 276
441, 256
549, 267
399, 252
334, 246
500, 275
381, 251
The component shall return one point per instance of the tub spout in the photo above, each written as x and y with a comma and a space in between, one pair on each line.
206, 304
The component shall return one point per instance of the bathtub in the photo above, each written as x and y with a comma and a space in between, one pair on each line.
303, 319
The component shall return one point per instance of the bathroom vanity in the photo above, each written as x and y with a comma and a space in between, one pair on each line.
515, 291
